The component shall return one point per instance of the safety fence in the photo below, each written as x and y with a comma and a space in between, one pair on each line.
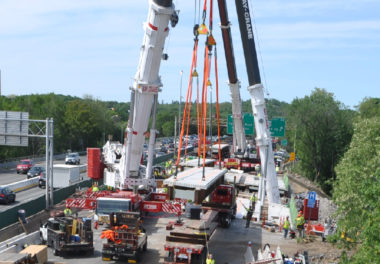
286, 181
293, 211
32, 207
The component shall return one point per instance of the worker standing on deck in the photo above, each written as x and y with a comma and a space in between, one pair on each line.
286, 227
210, 260
253, 201
300, 222
249, 216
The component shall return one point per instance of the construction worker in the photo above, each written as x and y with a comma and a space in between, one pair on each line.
249, 216
253, 200
210, 260
156, 173
286, 226
67, 211
300, 222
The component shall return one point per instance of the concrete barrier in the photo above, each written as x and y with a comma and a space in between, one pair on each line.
23, 185
16, 244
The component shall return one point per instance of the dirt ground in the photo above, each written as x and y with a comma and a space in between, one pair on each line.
318, 251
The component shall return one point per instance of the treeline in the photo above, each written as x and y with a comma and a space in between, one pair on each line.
87, 122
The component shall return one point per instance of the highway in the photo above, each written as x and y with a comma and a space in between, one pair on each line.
10, 175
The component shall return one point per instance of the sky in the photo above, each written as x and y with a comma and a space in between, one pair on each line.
91, 47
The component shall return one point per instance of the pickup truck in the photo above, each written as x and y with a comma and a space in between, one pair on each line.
67, 234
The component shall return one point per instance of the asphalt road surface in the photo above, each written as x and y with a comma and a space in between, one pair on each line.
10, 175
226, 245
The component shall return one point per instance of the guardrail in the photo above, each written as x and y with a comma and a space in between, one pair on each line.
32, 207
32, 182
23, 185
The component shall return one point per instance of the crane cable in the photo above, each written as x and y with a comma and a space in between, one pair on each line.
187, 100
259, 49
217, 106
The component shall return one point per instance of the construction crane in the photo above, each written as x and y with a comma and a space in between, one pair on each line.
234, 84
128, 174
255, 88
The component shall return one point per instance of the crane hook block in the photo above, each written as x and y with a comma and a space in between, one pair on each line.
194, 74
202, 30
209, 83
211, 41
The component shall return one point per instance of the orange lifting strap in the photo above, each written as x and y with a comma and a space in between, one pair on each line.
202, 109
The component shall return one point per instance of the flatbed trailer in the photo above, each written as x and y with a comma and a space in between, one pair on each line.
128, 239
188, 244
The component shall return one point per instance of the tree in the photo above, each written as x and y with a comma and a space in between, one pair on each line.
324, 130
357, 190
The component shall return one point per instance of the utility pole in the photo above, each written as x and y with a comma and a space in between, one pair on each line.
179, 106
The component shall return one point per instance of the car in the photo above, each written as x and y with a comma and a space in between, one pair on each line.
24, 166
42, 180
7, 195
72, 158
35, 171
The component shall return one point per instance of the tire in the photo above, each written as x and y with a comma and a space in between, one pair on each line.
55, 250
138, 255
145, 247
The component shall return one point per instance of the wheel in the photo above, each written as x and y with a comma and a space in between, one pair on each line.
18, 172
138, 255
55, 250
106, 257
145, 247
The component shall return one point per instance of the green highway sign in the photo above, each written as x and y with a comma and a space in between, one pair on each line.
277, 127
284, 142
249, 125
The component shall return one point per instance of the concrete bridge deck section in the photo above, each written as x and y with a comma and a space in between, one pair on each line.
191, 185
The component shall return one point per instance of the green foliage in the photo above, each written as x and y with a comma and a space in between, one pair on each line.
357, 190
323, 131
81, 123
370, 107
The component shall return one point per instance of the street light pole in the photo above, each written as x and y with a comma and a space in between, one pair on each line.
179, 107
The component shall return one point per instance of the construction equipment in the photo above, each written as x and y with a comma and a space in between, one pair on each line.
126, 238
128, 174
188, 243
263, 137
223, 201
68, 234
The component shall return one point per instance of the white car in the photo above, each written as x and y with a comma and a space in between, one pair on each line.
72, 158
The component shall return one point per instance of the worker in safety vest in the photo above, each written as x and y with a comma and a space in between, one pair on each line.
253, 201
300, 222
286, 226
95, 188
67, 211
277, 168
156, 174
210, 260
